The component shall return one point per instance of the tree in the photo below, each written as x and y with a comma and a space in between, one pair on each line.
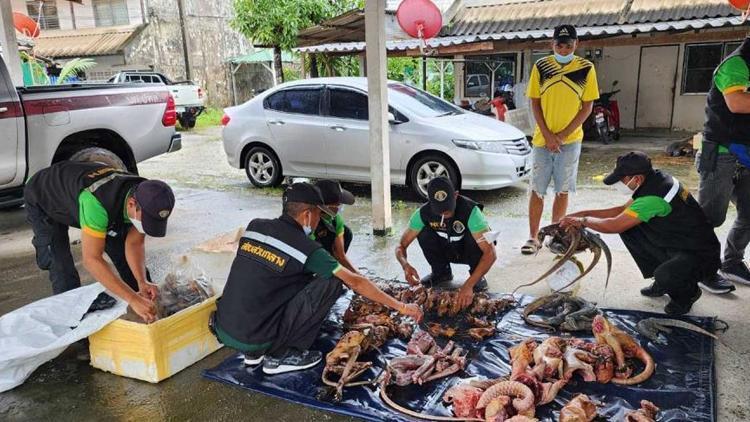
276, 23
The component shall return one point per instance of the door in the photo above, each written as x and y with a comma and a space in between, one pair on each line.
298, 129
10, 120
347, 135
656, 87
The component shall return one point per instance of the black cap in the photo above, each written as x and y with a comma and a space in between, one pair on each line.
441, 195
630, 164
305, 193
156, 200
565, 33
332, 193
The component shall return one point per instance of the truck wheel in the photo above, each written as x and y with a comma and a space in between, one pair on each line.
263, 168
185, 121
100, 155
427, 168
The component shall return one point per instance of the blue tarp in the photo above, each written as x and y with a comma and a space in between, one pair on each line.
683, 386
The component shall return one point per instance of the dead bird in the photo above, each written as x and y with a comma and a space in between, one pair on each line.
572, 313
651, 327
568, 242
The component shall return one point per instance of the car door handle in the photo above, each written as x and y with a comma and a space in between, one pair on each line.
3, 109
338, 128
276, 122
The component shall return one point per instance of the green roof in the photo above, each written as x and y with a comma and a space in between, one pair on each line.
263, 55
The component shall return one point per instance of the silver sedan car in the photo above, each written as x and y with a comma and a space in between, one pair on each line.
318, 128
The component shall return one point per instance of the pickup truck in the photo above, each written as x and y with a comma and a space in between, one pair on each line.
120, 125
188, 97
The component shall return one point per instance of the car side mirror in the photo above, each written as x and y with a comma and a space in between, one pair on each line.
392, 118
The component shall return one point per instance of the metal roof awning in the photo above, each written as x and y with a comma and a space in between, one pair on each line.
264, 55
84, 42
584, 32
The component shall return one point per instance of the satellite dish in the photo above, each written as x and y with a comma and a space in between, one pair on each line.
420, 19
743, 6
25, 25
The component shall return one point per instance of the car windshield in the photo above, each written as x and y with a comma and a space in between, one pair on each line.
419, 102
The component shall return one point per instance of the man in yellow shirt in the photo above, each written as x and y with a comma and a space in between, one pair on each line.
562, 89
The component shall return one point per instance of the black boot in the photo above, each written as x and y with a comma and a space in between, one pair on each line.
675, 308
652, 291
434, 279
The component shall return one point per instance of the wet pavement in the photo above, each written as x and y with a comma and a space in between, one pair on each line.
213, 198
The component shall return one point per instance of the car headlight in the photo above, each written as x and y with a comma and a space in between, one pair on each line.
486, 146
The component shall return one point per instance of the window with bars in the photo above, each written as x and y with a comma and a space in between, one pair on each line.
110, 12
700, 62
44, 12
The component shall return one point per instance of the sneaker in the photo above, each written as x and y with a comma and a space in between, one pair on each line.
253, 359
652, 291
481, 285
292, 360
716, 285
674, 308
431, 280
736, 272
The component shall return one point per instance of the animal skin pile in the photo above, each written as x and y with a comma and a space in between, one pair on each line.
540, 371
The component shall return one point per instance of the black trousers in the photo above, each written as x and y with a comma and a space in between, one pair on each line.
53, 254
440, 257
327, 241
304, 314
676, 272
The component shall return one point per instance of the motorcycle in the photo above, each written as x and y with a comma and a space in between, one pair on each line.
604, 122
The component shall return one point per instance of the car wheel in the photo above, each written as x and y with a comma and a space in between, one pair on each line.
263, 168
428, 168
100, 155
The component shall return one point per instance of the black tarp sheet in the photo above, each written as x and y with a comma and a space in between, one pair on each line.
683, 386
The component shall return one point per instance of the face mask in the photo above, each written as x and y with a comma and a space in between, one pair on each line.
564, 59
341, 210
138, 225
307, 227
624, 188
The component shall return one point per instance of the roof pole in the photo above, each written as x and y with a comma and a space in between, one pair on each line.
377, 89
10, 44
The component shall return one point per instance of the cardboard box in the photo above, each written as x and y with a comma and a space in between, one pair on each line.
153, 352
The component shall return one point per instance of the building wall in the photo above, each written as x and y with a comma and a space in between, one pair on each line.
210, 43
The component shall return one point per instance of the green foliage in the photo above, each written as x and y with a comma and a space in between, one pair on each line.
409, 70
290, 74
38, 70
404, 69
211, 116
73, 67
433, 81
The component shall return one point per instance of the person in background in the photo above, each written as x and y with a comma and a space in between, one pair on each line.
332, 232
282, 285
450, 228
724, 164
562, 89
663, 228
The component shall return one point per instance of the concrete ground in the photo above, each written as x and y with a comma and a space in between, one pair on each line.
213, 198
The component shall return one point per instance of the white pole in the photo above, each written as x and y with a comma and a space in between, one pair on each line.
377, 89
442, 79
10, 44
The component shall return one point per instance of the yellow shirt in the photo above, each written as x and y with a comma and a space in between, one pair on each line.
562, 89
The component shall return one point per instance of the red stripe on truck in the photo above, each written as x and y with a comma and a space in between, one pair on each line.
54, 105
13, 110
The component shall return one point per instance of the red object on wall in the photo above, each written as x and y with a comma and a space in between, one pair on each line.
25, 25
740, 4
420, 18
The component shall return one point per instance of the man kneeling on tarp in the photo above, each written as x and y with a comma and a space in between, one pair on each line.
282, 285
663, 227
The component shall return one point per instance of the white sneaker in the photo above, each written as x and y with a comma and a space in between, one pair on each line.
251, 360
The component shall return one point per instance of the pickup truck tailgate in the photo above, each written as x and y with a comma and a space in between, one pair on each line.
185, 95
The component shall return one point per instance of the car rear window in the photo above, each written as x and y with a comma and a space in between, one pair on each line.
299, 100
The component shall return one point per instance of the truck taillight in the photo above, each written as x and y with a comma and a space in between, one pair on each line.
170, 113
200, 92
225, 120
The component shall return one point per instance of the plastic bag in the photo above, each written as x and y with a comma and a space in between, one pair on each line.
40, 331
186, 285
564, 275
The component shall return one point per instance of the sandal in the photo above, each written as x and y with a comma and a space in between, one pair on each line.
531, 247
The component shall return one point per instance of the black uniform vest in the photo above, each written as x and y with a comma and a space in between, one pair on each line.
723, 126
686, 227
454, 230
325, 234
56, 189
267, 272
